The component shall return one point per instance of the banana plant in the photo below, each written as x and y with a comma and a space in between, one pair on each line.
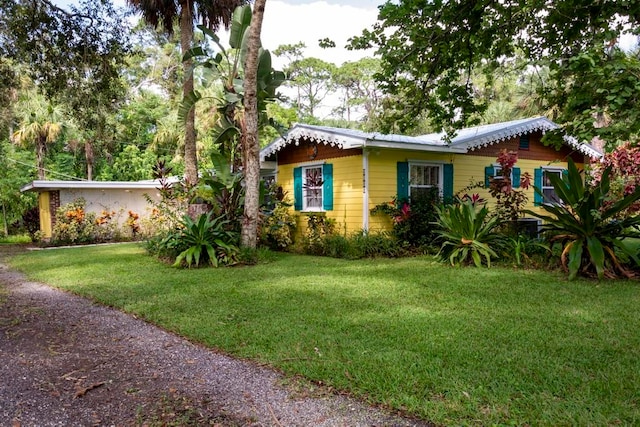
227, 66
588, 225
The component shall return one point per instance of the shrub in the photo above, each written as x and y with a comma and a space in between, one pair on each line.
73, 225
206, 240
413, 222
318, 227
588, 227
467, 234
278, 227
509, 201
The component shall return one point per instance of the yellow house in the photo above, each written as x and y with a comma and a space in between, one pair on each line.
344, 173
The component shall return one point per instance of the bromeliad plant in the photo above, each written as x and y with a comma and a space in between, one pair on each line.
207, 240
588, 225
467, 234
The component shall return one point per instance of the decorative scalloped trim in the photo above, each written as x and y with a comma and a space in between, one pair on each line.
502, 136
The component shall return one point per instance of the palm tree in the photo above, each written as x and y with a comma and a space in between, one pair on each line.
251, 145
211, 13
41, 124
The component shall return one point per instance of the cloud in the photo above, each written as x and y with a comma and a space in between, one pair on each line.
292, 22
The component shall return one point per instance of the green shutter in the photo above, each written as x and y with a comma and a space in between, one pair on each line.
447, 182
327, 187
489, 172
537, 183
403, 181
516, 177
297, 189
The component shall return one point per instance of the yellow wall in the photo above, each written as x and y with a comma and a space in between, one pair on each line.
45, 214
347, 192
347, 179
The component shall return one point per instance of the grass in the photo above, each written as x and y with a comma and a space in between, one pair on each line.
455, 346
15, 239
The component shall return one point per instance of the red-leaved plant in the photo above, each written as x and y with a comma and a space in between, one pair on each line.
624, 162
509, 201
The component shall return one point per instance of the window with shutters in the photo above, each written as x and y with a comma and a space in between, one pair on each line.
423, 177
546, 186
312, 188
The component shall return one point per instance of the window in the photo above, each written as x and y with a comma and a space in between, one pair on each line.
423, 177
495, 172
524, 142
312, 188
550, 195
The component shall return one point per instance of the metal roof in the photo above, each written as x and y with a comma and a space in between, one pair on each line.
466, 140
98, 185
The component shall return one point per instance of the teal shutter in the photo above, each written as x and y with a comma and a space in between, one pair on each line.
489, 172
297, 189
327, 187
403, 181
516, 177
537, 183
447, 182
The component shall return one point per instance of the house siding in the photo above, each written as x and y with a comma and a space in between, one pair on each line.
468, 172
347, 192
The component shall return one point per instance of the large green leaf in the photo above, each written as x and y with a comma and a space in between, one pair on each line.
240, 23
575, 258
188, 102
596, 254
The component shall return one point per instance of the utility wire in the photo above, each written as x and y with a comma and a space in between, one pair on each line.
46, 170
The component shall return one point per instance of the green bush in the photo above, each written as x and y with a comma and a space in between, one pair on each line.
278, 227
588, 227
206, 240
318, 227
467, 234
74, 225
413, 221
358, 245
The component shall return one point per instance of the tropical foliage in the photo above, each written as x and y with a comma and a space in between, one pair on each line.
206, 240
588, 226
467, 234
431, 51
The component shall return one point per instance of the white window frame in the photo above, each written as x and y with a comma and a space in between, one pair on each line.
440, 185
543, 187
496, 172
305, 189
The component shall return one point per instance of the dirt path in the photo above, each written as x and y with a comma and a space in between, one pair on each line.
67, 362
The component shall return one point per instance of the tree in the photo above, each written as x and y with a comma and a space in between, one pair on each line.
80, 68
251, 144
359, 89
238, 117
15, 172
312, 78
431, 50
163, 13
41, 123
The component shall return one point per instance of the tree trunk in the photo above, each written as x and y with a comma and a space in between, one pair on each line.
190, 152
4, 220
41, 146
88, 155
251, 146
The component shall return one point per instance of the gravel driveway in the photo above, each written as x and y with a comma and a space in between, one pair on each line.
65, 361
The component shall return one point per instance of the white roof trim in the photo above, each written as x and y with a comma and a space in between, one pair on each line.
585, 149
466, 140
96, 185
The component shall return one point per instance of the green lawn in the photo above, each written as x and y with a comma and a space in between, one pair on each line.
453, 346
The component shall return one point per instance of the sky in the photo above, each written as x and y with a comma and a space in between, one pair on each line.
293, 21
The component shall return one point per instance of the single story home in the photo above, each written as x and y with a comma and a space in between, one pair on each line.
344, 173
116, 196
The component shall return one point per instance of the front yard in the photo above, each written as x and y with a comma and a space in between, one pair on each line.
450, 345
